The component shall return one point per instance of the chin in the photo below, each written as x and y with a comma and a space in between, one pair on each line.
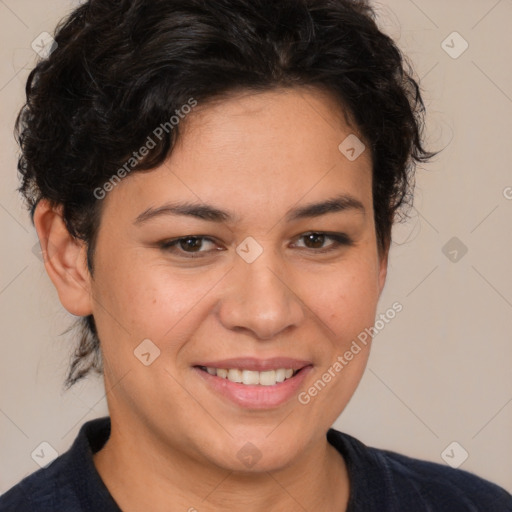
251, 461
258, 452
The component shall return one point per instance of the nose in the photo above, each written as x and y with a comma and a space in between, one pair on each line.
259, 298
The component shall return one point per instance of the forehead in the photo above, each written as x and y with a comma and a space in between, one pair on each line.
257, 150
302, 117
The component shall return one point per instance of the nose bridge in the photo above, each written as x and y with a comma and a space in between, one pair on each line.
260, 299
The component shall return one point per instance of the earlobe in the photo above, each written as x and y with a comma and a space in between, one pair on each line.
65, 259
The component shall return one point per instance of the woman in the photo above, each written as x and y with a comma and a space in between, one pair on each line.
213, 185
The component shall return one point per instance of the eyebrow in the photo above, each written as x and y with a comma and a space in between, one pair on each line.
340, 203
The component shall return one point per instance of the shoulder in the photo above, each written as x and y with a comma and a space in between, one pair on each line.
68, 483
401, 480
443, 485
41, 491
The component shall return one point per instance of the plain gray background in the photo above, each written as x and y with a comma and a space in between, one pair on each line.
440, 371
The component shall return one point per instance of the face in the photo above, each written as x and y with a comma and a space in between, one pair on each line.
261, 286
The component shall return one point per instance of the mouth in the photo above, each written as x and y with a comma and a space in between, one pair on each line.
254, 384
251, 377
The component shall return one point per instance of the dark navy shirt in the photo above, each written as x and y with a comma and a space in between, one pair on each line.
380, 481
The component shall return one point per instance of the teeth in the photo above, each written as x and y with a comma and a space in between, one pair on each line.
252, 378
222, 372
235, 375
268, 378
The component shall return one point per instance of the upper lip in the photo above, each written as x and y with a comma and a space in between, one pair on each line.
257, 365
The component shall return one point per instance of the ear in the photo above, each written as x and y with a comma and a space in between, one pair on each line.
383, 267
65, 259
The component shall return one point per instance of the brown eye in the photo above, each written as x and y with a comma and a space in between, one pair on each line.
188, 246
192, 243
315, 241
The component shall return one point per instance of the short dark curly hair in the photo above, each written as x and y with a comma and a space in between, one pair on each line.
120, 68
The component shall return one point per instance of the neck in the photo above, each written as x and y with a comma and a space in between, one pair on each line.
163, 478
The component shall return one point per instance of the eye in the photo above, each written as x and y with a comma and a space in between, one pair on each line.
193, 246
188, 246
315, 240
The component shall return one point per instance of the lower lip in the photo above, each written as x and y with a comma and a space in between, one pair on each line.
255, 397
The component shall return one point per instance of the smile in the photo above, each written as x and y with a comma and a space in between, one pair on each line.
252, 383
250, 377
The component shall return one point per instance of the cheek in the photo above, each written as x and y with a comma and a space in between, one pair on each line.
347, 299
347, 305
137, 300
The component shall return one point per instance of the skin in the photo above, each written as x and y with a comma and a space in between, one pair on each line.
257, 156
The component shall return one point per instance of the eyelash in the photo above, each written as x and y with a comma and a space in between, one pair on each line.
340, 239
